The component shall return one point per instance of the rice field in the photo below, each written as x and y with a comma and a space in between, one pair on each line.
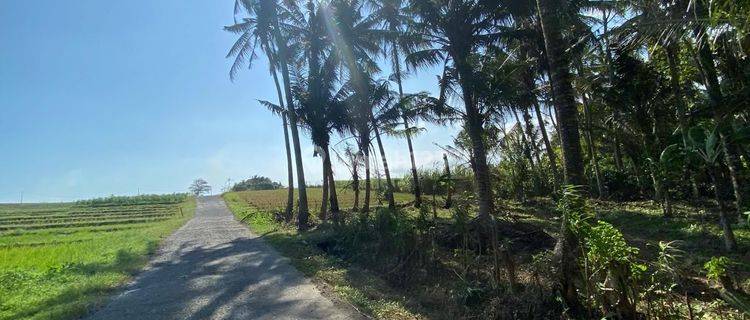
58, 261
274, 200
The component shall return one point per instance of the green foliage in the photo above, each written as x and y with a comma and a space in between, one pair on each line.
717, 267
135, 200
256, 183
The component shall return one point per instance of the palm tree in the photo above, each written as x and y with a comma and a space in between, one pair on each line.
454, 30
567, 117
356, 40
392, 15
321, 105
255, 30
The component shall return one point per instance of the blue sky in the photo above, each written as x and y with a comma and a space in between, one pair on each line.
120, 97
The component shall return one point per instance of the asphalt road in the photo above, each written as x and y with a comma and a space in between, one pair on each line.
215, 268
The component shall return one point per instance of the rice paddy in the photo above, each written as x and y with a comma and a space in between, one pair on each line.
58, 261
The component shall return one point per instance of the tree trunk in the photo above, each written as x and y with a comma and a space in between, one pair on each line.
566, 247
720, 191
475, 131
289, 170
322, 215
717, 102
527, 154
332, 193
548, 146
389, 183
674, 72
303, 212
448, 184
355, 184
592, 151
414, 175
364, 148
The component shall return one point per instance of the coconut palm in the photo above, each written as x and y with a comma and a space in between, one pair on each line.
356, 41
261, 27
393, 19
254, 32
452, 31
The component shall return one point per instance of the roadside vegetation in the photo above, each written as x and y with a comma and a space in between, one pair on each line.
58, 261
418, 264
600, 168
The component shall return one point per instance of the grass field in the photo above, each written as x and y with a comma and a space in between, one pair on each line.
57, 261
364, 286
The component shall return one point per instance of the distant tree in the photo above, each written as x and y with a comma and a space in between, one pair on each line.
200, 187
257, 183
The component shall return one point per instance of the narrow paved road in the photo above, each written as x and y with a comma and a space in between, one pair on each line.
215, 268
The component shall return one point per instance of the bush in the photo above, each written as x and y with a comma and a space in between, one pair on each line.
256, 183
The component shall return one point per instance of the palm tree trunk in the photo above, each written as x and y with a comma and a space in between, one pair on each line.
389, 183
448, 184
355, 184
475, 130
322, 215
333, 196
414, 176
590, 142
717, 101
720, 190
364, 148
290, 175
672, 52
303, 211
567, 245
527, 152
548, 146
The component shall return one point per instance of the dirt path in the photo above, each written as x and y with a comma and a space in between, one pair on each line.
215, 268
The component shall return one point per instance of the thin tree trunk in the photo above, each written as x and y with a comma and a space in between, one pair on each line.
592, 151
328, 176
303, 212
355, 183
672, 56
322, 215
717, 102
566, 247
414, 175
548, 146
720, 190
290, 175
389, 183
527, 154
333, 193
365, 149
448, 184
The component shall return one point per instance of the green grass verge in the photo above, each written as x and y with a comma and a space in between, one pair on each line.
364, 290
64, 273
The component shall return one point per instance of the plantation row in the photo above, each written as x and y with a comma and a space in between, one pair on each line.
86, 216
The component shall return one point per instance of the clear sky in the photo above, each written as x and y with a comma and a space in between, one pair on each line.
120, 97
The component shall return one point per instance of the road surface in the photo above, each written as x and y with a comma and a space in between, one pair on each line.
215, 268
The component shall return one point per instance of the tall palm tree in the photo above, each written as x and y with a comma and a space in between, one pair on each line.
393, 17
255, 31
456, 29
321, 106
356, 41
567, 117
